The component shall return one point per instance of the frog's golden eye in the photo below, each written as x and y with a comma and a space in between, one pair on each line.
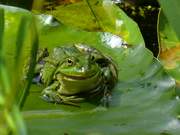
70, 62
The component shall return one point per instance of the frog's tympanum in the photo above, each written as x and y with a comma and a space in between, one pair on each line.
75, 73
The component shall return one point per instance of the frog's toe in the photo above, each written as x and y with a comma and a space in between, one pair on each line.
48, 96
106, 99
45, 97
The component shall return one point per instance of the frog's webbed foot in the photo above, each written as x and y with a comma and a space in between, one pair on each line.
106, 99
49, 93
67, 100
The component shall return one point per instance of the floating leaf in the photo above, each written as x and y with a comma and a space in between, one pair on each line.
142, 101
172, 12
170, 48
98, 15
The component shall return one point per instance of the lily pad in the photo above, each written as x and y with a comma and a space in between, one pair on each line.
143, 100
170, 48
98, 15
171, 11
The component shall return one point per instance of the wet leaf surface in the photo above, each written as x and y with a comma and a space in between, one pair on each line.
143, 100
98, 15
170, 48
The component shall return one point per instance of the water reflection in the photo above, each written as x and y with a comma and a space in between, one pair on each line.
113, 41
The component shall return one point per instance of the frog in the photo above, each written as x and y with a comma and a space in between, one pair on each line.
75, 73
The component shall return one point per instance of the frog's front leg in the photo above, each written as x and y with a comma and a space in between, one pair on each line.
49, 94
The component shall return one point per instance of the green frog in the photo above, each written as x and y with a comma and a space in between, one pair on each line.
74, 73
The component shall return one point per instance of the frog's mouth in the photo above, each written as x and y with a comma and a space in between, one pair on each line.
81, 77
77, 84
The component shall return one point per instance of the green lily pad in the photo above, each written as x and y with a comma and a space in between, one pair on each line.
170, 48
171, 11
98, 15
143, 100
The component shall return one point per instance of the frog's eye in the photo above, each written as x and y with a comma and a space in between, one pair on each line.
70, 62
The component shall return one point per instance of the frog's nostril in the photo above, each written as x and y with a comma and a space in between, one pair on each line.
82, 69
85, 68
92, 58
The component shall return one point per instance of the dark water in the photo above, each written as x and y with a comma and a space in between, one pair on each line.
145, 13
27, 4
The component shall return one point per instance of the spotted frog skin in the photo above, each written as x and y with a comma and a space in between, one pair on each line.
74, 73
